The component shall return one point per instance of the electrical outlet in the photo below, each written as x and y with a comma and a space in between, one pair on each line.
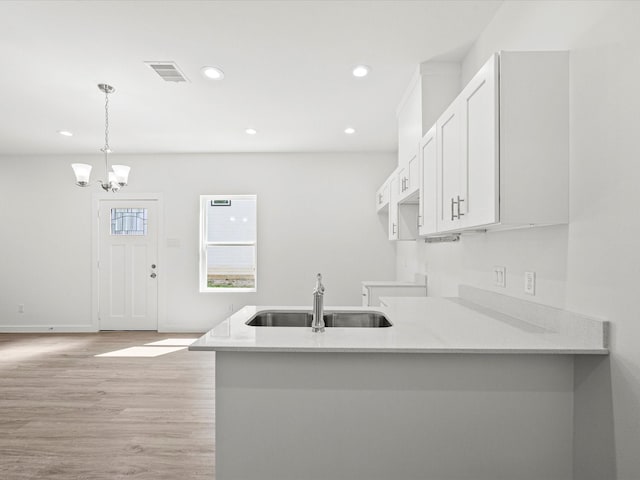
500, 276
21, 308
530, 283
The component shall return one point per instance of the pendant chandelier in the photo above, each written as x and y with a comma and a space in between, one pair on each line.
117, 178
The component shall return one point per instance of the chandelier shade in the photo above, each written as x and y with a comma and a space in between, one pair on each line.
83, 172
121, 173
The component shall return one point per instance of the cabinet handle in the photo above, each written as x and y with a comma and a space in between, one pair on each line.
453, 216
393, 231
460, 200
419, 220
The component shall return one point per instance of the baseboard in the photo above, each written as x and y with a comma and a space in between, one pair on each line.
198, 331
82, 329
47, 329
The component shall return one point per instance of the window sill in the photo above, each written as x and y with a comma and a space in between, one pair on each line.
228, 290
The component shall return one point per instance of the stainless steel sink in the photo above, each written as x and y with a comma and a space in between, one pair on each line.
341, 319
276, 318
356, 320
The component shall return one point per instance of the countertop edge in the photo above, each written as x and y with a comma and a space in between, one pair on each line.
492, 351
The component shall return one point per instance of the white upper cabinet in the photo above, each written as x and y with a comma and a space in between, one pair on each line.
503, 147
496, 158
409, 135
449, 135
408, 180
432, 88
467, 139
478, 205
428, 176
382, 197
393, 207
403, 217
534, 138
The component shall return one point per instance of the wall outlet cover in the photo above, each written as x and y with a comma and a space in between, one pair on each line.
530, 283
500, 276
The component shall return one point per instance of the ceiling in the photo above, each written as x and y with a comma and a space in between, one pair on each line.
287, 68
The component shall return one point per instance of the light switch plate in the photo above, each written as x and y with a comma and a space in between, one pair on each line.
500, 276
530, 283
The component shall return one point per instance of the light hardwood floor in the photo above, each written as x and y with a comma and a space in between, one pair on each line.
66, 414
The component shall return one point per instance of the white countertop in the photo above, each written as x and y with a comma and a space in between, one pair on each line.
420, 325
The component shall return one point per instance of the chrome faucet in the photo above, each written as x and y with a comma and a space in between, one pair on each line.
317, 325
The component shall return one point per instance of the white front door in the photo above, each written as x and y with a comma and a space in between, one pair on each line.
128, 264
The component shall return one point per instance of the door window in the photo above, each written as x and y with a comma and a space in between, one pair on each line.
128, 221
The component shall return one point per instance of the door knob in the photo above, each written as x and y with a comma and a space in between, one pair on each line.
153, 265
153, 275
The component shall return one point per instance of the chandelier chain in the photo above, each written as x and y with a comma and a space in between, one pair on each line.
106, 121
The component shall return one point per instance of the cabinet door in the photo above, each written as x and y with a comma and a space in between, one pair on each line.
408, 180
382, 196
402, 182
449, 138
427, 214
479, 100
393, 208
413, 182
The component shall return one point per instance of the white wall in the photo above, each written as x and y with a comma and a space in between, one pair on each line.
591, 266
316, 213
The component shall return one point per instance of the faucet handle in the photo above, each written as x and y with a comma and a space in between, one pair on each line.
319, 286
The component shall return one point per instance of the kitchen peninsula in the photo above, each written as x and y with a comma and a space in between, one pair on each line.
474, 387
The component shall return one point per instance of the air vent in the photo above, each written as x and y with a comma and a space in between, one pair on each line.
168, 71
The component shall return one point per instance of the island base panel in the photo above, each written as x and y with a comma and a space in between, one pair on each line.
380, 416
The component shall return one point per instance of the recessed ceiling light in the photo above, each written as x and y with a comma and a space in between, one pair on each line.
65, 133
251, 131
213, 73
360, 71
349, 130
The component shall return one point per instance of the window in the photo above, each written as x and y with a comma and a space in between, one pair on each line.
128, 221
228, 243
